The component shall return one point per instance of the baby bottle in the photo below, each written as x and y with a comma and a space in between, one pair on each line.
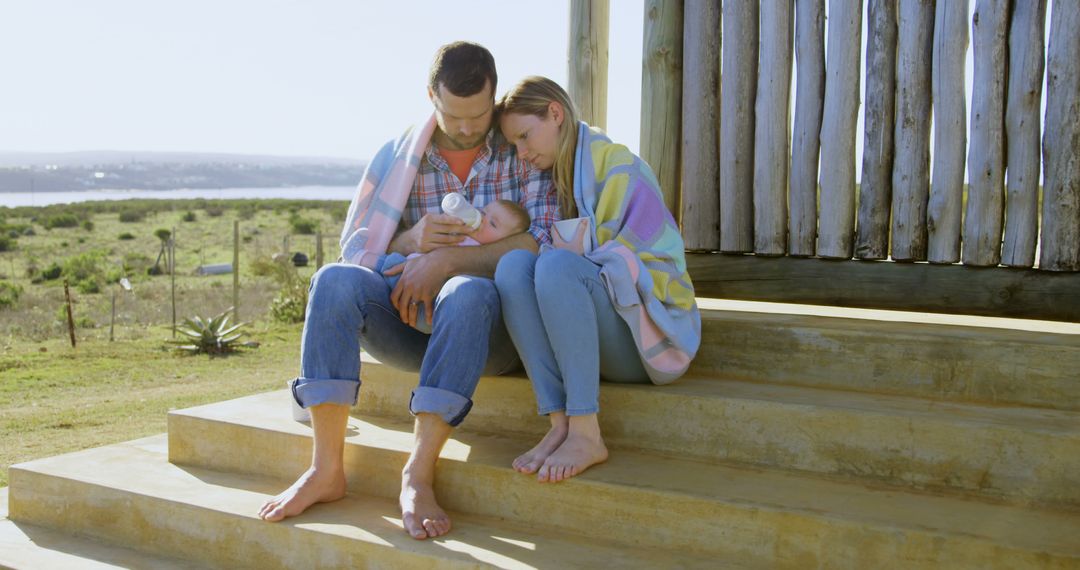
456, 205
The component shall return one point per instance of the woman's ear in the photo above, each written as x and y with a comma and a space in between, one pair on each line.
555, 110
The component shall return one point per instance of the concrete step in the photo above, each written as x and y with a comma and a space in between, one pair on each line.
941, 357
1023, 455
30, 547
129, 493
751, 516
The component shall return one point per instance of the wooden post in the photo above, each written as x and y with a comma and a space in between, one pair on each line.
172, 277
772, 108
911, 164
738, 85
950, 131
112, 318
701, 126
70, 315
661, 95
875, 192
236, 271
1060, 249
986, 155
837, 218
318, 250
1026, 33
806, 141
587, 60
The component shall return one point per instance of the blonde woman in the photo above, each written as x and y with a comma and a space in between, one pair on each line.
615, 303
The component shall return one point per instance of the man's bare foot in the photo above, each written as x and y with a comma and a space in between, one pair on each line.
421, 515
530, 461
312, 487
582, 449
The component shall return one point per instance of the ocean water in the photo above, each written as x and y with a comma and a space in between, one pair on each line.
13, 199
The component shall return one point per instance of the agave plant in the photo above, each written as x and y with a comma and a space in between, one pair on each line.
212, 336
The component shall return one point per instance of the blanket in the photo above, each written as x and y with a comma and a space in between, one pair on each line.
381, 196
641, 253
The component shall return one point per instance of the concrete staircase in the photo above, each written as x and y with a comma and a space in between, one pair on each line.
802, 438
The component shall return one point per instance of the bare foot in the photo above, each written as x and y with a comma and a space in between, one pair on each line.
421, 515
575, 455
312, 487
530, 461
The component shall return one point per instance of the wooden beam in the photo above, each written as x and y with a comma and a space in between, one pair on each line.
701, 126
587, 59
773, 111
738, 86
875, 192
921, 287
661, 95
950, 132
806, 140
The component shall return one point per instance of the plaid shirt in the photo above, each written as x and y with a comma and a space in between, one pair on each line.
496, 174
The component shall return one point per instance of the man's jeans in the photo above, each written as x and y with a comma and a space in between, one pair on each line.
349, 307
566, 329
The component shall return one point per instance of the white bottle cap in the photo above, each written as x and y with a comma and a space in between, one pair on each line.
456, 205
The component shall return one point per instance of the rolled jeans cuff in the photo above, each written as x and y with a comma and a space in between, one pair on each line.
450, 406
309, 393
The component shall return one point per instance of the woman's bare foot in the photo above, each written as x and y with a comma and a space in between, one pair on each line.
582, 449
530, 461
420, 513
312, 487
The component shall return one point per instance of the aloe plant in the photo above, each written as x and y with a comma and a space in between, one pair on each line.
212, 336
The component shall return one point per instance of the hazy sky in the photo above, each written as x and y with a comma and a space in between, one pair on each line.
290, 77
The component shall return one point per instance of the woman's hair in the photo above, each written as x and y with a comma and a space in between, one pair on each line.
532, 96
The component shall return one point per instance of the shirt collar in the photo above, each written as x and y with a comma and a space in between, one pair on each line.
436, 159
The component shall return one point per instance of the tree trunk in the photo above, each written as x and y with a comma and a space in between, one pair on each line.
738, 81
771, 136
661, 96
805, 143
701, 126
911, 165
1026, 33
841, 111
587, 61
1060, 250
950, 131
875, 192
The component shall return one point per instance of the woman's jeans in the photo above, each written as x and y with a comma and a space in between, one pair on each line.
566, 329
349, 307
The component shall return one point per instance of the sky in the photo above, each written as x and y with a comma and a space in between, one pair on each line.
332, 78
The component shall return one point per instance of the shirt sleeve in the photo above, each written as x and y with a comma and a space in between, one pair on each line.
540, 201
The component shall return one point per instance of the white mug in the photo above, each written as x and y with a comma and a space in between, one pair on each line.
566, 229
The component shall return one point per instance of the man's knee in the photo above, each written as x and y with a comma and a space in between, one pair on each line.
466, 296
338, 283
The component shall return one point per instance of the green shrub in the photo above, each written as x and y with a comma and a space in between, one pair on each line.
7, 243
132, 216
212, 336
88, 286
303, 226
64, 220
214, 211
9, 294
126, 236
52, 272
162, 234
88, 225
188, 216
291, 301
85, 265
135, 263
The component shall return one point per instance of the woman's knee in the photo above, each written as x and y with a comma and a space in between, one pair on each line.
559, 269
515, 271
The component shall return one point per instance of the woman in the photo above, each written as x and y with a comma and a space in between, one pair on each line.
620, 308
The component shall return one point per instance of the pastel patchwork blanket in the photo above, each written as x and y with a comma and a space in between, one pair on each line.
641, 253
381, 196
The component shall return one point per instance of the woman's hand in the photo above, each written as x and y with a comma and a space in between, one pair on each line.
576, 243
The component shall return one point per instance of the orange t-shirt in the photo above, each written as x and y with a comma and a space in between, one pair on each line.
460, 161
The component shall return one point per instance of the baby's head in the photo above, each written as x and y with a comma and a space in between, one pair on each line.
502, 219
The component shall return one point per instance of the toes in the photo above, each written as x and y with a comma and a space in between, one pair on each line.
430, 528
543, 472
275, 514
442, 526
414, 529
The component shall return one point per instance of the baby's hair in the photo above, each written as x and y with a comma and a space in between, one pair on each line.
519, 214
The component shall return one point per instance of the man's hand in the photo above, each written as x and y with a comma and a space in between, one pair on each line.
421, 280
431, 232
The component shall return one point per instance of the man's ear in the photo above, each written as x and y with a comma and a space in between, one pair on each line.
556, 112
431, 94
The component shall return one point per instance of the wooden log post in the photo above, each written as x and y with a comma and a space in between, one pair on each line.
837, 218
911, 164
1026, 33
805, 141
587, 59
986, 155
701, 126
772, 108
661, 96
950, 131
236, 271
738, 85
1060, 249
875, 192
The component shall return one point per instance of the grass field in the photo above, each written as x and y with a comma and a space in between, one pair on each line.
55, 398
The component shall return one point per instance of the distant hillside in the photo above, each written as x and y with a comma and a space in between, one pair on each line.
96, 170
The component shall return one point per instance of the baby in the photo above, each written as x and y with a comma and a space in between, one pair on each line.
498, 220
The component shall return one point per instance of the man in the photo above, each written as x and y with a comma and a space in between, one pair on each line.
350, 303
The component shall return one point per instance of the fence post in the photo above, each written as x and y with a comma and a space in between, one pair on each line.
70, 316
701, 126
661, 95
172, 277
875, 191
806, 140
318, 250
773, 110
738, 85
236, 271
587, 60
